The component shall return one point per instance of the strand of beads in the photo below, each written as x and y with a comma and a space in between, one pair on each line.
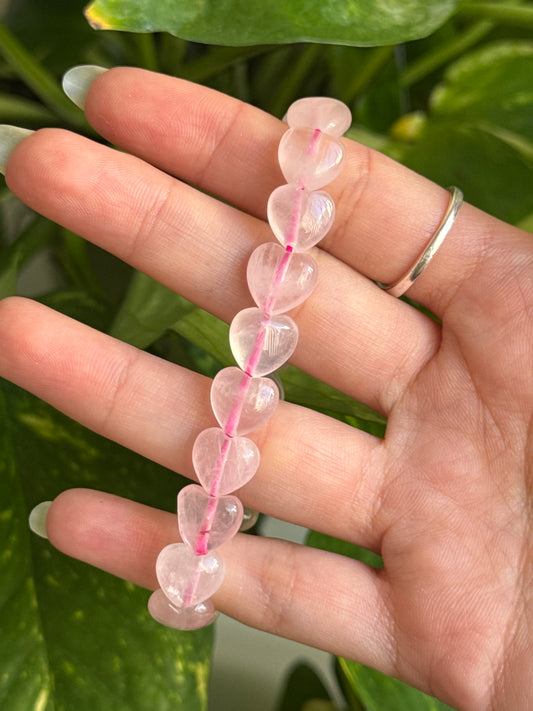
262, 338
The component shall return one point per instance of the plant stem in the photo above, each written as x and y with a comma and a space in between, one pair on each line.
171, 54
376, 58
444, 53
510, 14
216, 59
147, 54
38, 78
15, 109
295, 75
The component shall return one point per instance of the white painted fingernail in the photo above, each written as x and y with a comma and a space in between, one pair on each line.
77, 81
37, 519
10, 137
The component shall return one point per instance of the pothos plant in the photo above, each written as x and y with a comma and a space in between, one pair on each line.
444, 86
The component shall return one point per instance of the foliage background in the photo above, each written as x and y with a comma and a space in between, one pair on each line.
445, 87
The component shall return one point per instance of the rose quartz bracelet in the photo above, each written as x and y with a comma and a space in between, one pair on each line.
280, 277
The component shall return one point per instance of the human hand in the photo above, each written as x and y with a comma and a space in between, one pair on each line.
445, 498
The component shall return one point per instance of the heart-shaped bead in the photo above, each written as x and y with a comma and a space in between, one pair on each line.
260, 343
186, 618
279, 280
223, 464
310, 159
328, 115
187, 579
300, 218
206, 522
242, 403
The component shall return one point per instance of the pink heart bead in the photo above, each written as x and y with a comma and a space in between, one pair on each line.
207, 522
299, 218
241, 403
223, 464
279, 280
186, 618
261, 344
310, 159
328, 115
187, 579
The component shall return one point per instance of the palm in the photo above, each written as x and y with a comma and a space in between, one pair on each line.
444, 498
454, 504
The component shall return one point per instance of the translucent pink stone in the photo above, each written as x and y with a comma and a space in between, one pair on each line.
300, 218
261, 344
185, 578
186, 618
223, 464
329, 115
310, 159
207, 522
241, 403
279, 280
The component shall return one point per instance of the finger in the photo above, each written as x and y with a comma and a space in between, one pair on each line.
386, 214
198, 246
315, 471
270, 584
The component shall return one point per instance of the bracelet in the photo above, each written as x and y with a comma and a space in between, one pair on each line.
280, 275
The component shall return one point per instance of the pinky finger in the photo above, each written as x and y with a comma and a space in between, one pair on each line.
321, 599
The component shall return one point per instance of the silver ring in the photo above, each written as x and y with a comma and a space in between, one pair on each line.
406, 280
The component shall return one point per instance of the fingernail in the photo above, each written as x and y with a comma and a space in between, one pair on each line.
76, 82
37, 519
10, 137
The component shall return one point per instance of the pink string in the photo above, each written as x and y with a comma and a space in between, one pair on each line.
229, 431
202, 542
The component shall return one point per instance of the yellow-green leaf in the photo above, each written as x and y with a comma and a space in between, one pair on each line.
247, 22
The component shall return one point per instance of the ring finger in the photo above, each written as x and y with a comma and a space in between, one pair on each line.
157, 409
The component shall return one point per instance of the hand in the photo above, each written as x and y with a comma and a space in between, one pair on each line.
445, 498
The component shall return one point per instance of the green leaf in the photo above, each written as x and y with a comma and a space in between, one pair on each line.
38, 78
216, 59
19, 111
56, 30
303, 684
527, 222
479, 134
502, 12
74, 255
24, 672
444, 51
74, 636
350, 550
499, 71
147, 311
305, 390
212, 335
33, 238
377, 692
208, 333
319, 705
235, 22
79, 305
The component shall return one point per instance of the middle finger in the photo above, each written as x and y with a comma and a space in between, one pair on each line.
199, 246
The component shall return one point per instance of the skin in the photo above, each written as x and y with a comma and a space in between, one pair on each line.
445, 498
